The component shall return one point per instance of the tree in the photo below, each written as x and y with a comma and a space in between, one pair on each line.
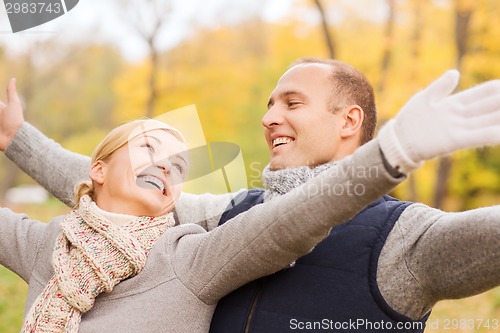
148, 18
416, 39
463, 10
330, 43
388, 43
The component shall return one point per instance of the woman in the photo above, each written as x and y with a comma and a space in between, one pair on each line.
117, 263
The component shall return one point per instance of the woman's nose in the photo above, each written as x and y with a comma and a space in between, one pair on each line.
165, 165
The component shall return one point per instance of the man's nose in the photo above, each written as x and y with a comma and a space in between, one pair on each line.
273, 117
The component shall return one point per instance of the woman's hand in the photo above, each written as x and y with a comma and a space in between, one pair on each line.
11, 115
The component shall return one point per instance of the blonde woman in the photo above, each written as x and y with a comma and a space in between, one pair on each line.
118, 263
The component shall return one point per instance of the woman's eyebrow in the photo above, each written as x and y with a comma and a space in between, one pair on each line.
146, 136
181, 157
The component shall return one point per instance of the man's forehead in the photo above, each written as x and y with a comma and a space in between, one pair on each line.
308, 68
302, 75
299, 78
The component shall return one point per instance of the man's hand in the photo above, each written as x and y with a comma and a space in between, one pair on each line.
11, 115
434, 122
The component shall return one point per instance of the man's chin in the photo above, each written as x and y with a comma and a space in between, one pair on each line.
276, 164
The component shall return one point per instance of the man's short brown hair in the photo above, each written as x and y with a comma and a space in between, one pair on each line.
349, 86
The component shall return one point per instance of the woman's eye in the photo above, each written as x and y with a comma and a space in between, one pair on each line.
149, 147
178, 167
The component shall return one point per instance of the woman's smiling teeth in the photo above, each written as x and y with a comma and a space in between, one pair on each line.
281, 141
154, 181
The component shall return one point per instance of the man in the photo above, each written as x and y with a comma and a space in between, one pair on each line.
383, 270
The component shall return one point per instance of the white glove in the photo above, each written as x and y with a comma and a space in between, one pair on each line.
434, 123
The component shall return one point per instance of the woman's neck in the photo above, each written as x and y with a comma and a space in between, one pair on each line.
116, 218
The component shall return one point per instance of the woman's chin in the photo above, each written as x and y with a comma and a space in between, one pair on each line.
156, 209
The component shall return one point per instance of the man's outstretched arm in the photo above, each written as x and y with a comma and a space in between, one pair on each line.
432, 255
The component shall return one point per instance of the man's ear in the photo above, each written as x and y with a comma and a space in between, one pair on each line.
353, 120
97, 172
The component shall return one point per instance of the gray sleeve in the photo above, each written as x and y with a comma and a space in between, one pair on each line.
276, 233
58, 170
20, 238
203, 209
431, 255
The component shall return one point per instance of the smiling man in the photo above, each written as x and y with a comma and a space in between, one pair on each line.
386, 268
309, 124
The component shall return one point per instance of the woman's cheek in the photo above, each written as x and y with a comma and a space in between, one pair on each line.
176, 188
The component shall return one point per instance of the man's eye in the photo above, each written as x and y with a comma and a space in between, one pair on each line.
292, 104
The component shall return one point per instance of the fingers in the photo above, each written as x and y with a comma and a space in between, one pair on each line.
443, 86
479, 92
12, 96
486, 136
474, 109
483, 121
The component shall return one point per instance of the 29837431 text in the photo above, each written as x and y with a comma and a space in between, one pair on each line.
454, 324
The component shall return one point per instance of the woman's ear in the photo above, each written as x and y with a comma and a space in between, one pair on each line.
97, 172
353, 117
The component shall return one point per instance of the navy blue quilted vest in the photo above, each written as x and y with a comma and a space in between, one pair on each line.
333, 288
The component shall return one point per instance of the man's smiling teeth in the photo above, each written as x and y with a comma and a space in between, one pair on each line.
281, 141
153, 181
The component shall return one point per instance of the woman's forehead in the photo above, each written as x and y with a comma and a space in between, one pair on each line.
155, 125
161, 137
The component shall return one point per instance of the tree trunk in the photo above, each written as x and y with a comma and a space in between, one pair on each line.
387, 53
416, 38
463, 14
152, 82
148, 18
326, 31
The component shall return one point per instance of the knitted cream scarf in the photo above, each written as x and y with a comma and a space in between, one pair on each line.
91, 256
279, 182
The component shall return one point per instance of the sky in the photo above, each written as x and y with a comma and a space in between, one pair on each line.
105, 22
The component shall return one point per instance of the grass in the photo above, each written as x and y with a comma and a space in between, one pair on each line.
480, 313
13, 289
13, 292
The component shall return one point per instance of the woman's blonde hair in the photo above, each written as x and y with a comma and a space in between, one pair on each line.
116, 139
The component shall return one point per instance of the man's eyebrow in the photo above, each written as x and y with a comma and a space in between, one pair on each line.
291, 92
270, 102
